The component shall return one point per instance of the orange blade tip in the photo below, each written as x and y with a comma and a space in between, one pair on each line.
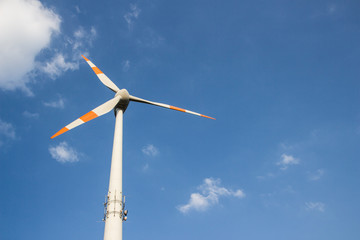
64, 129
207, 117
85, 58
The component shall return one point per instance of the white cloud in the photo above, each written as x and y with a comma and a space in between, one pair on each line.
286, 146
82, 38
7, 130
210, 192
126, 66
26, 28
80, 33
316, 206
77, 9
30, 115
316, 175
60, 103
150, 39
63, 153
331, 9
132, 15
57, 65
286, 161
266, 176
77, 45
150, 150
93, 33
145, 168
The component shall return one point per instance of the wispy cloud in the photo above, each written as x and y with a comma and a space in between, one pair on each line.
28, 114
82, 38
286, 161
145, 168
315, 206
209, 193
60, 103
7, 130
331, 9
266, 176
285, 146
57, 65
314, 176
77, 9
150, 39
150, 150
63, 153
132, 15
328, 10
26, 29
76, 45
126, 66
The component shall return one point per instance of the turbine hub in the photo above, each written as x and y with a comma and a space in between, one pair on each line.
124, 99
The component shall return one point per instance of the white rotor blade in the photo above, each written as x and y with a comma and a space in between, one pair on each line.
136, 99
103, 78
100, 110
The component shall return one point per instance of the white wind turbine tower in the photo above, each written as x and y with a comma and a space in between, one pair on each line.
115, 213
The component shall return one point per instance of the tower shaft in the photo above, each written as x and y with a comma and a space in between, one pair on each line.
114, 207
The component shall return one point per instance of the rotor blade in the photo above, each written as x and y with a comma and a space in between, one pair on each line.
136, 99
100, 110
103, 78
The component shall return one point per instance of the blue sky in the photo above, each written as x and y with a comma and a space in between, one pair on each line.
281, 77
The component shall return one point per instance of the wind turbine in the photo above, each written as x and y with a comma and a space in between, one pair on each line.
115, 213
